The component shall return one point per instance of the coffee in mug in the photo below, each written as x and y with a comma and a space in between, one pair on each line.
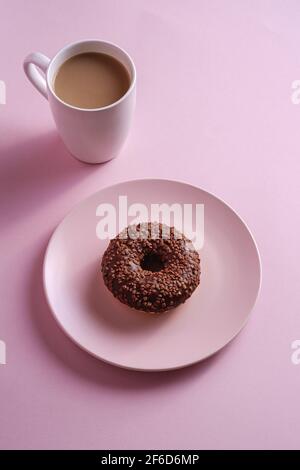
91, 89
91, 80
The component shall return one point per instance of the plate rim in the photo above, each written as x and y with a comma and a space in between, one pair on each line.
123, 366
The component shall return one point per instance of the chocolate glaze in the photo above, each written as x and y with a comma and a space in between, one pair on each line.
151, 267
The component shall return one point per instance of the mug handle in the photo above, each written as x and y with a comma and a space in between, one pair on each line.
31, 64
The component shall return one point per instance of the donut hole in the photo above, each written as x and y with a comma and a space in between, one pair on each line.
152, 262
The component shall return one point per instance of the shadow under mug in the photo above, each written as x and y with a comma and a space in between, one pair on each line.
91, 135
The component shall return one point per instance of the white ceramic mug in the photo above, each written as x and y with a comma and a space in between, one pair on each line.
91, 135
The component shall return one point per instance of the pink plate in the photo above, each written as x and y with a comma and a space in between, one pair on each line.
109, 330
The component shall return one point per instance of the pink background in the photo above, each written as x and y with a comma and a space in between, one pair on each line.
213, 109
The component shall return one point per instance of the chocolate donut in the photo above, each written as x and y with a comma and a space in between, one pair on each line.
151, 267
